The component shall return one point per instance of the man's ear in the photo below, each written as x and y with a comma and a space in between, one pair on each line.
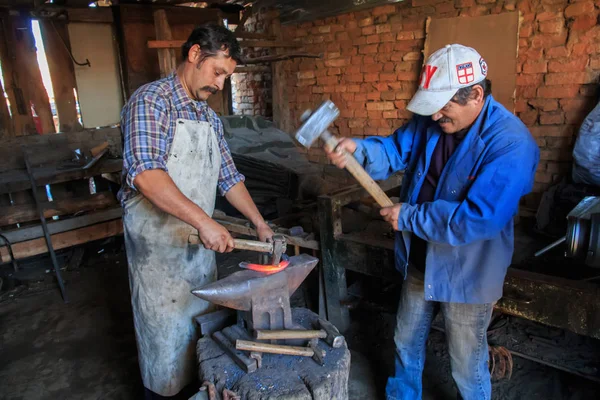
194, 53
477, 94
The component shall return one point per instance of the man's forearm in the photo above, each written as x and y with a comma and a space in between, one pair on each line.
159, 188
239, 197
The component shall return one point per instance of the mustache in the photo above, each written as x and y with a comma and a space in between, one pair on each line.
444, 120
210, 89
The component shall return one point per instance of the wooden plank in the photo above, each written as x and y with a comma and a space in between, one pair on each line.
29, 70
14, 181
166, 57
10, 215
63, 240
175, 44
56, 36
36, 231
6, 126
97, 14
22, 120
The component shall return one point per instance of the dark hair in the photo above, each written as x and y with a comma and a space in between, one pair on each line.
464, 94
211, 38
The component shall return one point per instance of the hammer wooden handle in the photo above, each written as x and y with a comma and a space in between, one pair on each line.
359, 172
289, 334
273, 348
253, 245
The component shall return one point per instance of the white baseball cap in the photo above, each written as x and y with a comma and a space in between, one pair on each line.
445, 71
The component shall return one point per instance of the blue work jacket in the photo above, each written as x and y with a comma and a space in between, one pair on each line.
469, 225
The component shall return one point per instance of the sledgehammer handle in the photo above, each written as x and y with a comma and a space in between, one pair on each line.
253, 245
358, 172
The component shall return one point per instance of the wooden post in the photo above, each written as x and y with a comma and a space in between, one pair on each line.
6, 127
62, 73
281, 111
22, 121
166, 57
28, 68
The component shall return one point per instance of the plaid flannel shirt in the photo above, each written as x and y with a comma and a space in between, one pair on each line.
148, 123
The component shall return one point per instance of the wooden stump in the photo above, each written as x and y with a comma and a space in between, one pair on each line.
281, 377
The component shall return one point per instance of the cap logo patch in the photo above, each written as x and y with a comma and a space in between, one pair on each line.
426, 75
465, 73
483, 66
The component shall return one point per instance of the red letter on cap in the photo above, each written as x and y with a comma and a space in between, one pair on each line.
427, 74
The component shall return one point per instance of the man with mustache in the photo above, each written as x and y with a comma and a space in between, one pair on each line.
467, 161
175, 160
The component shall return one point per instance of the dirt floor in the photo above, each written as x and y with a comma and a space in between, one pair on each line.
86, 349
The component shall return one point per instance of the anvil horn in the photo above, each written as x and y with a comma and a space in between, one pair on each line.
237, 290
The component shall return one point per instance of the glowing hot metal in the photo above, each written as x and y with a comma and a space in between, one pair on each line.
266, 269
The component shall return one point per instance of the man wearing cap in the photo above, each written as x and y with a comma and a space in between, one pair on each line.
467, 161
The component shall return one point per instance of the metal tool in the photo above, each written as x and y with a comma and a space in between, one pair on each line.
583, 233
265, 299
315, 127
276, 248
334, 338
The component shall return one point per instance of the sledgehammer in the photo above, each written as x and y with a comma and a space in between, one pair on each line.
315, 126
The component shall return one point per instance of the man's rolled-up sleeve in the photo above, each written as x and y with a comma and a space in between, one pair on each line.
144, 123
229, 176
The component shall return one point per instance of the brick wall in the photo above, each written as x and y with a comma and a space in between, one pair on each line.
372, 61
252, 91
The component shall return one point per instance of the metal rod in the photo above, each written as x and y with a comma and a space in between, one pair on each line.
61, 284
8, 244
288, 334
550, 246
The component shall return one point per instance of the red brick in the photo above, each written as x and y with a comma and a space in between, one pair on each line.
370, 68
390, 114
580, 8
382, 10
526, 30
404, 95
372, 77
464, 3
387, 77
370, 49
548, 16
529, 117
306, 82
374, 96
389, 67
386, 48
526, 92
554, 27
348, 96
383, 28
552, 118
387, 38
566, 78
365, 22
553, 131
582, 49
345, 113
368, 30
544, 104
574, 104
306, 74
520, 106
353, 69
568, 64
529, 79
329, 89
336, 62
317, 89
376, 120
547, 41
558, 91
342, 36
420, 3
556, 52
380, 106
388, 96
357, 123
373, 39
354, 78
412, 56
444, 8
354, 88
360, 113
407, 35
360, 97
535, 66
584, 22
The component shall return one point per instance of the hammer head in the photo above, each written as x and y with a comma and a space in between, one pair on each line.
316, 123
279, 248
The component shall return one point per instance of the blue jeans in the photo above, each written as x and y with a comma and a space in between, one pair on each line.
466, 326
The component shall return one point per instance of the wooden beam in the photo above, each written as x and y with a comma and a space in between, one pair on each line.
63, 240
56, 45
175, 44
64, 225
14, 181
281, 109
10, 215
97, 14
6, 126
166, 57
22, 120
26, 59
280, 57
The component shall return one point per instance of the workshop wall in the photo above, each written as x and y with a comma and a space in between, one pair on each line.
372, 60
252, 91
